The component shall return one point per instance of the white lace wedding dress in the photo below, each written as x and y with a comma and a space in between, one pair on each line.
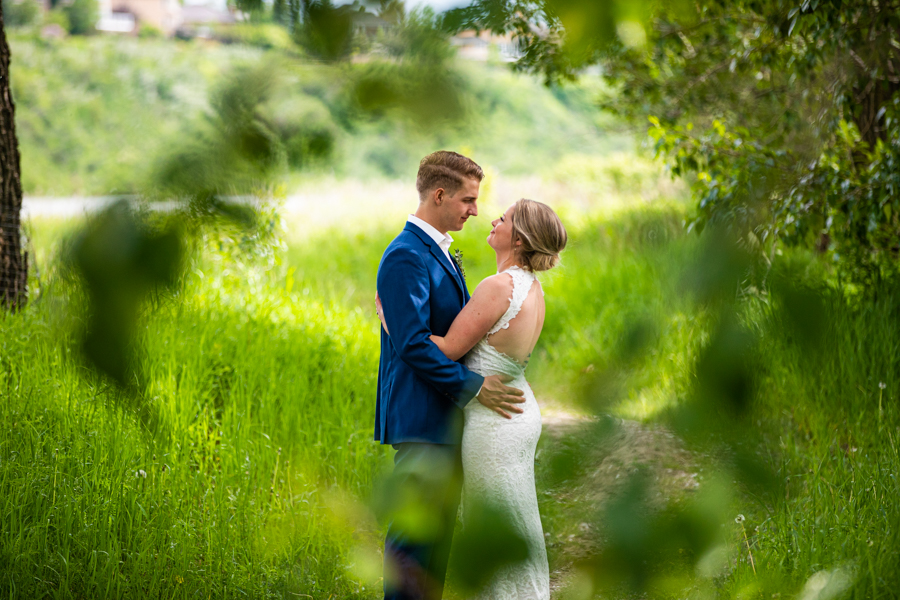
498, 460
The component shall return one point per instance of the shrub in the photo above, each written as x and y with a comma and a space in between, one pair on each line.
57, 17
305, 128
83, 16
260, 35
149, 31
20, 13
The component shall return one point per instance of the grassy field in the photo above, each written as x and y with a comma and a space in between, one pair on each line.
254, 481
234, 493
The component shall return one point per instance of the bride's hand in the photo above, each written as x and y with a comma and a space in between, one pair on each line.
500, 398
380, 312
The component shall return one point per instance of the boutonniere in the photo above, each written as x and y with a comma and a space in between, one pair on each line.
459, 256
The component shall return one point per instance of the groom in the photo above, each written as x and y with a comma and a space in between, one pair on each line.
421, 392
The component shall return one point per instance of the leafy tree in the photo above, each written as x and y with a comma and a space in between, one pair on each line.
281, 12
249, 6
83, 16
20, 13
782, 115
326, 32
393, 11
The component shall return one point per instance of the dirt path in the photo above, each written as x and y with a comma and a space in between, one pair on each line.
628, 445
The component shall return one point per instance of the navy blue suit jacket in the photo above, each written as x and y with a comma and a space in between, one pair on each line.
421, 392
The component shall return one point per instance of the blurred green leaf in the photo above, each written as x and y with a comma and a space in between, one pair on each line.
326, 31
234, 150
121, 258
804, 313
721, 267
646, 545
488, 541
724, 371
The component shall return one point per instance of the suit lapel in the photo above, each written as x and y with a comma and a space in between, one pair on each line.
451, 269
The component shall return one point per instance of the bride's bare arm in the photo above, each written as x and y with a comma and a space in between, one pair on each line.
488, 303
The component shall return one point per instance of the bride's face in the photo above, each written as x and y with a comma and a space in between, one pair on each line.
500, 237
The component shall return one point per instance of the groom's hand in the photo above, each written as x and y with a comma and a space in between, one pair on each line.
380, 312
500, 398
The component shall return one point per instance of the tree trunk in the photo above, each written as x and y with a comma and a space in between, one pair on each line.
13, 262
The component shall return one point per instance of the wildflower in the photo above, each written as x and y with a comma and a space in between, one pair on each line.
141, 473
881, 385
740, 521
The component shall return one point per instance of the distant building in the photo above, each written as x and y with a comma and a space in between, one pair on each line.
370, 25
364, 22
474, 45
117, 22
207, 12
126, 16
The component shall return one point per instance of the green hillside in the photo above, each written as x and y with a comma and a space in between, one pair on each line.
94, 113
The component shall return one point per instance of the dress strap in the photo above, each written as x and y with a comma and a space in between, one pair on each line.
522, 281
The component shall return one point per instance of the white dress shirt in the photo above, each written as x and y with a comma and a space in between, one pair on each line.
443, 240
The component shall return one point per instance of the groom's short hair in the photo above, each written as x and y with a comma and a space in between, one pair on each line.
445, 169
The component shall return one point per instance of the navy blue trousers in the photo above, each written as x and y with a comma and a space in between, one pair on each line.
426, 486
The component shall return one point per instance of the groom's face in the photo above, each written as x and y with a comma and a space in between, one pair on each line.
457, 208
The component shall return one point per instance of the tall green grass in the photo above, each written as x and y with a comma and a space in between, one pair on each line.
623, 266
263, 375
264, 405
829, 412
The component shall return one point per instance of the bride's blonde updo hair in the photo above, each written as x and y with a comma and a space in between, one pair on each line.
542, 233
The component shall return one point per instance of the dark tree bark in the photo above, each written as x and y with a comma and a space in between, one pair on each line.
13, 261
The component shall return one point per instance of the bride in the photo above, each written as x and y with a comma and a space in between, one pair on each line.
496, 332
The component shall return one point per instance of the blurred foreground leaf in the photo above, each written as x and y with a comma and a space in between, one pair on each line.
235, 150
121, 258
650, 549
326, 30
487, 542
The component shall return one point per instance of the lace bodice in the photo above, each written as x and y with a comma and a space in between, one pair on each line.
484, 358
522, 281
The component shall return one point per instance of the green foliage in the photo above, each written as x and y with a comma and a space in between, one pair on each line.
417, 39
21, 13
489, 542
393, 11
57, 16
778, 113
83, 16
810, 157
305, 127
280, 13
94, 113
234, 150
325, 32
266, 36
148, 31
121, 260
249, 6
843, 442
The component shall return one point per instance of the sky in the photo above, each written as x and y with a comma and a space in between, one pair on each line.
437, 5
